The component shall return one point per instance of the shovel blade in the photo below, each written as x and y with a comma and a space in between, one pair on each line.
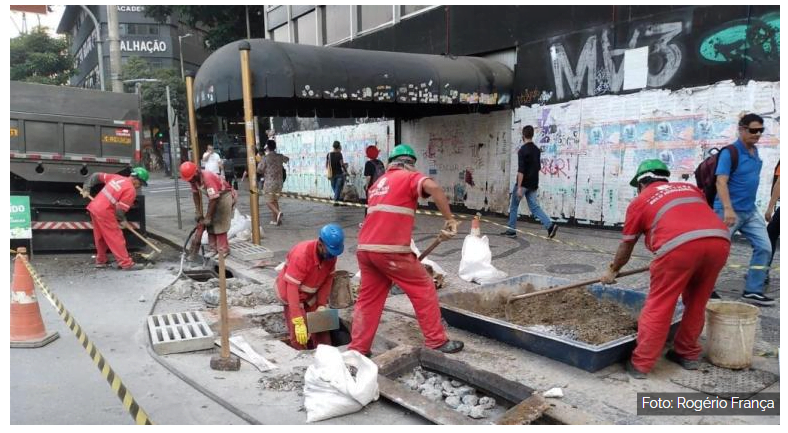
322, 321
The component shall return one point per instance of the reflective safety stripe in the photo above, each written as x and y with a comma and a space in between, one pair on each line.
627, 238
311, 301
290, 278
307, 289
109, 196
691, 236
384, 248
391, 209
673, 203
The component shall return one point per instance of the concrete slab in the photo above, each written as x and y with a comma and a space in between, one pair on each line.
179, 332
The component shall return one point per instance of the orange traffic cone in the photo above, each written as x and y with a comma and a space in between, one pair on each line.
27, 327
475, 225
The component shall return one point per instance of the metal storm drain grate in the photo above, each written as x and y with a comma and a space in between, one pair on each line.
714, 380
179, 332
248, 251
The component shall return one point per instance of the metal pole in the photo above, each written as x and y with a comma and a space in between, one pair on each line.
180, 54
114, 48
248, 29
193, 128
99, 45
251, 167
171, 122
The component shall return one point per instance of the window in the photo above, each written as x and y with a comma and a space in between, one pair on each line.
409, 9
372, 16
306, 30
138, 29
279, 34
337, 23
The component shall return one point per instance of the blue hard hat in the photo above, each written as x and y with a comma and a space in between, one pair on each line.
333, 238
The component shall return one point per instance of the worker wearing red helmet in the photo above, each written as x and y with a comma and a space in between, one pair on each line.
221, 200
109, 208
304, 283
384, 253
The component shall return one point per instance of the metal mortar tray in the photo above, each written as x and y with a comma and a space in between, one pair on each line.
575, 353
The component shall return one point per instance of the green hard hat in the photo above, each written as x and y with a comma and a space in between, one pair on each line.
650, 166
141, 174
402, 150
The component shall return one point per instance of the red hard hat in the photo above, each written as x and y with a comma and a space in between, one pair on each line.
372, 152
188, 170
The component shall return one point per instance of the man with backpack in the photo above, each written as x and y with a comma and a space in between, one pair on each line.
737, 182
373, 169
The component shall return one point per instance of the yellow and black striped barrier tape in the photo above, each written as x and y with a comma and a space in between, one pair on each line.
131, 405
523, 232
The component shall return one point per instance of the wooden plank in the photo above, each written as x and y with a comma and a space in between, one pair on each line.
397, 360
525, 412
418, 404
491, 383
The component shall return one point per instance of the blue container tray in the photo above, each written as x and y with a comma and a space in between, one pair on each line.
575, 353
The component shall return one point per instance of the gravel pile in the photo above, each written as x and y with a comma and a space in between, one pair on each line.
240, 293
453, 393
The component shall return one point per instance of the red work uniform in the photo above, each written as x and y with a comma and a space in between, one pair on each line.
384, 256
118, 193
691, 245
303, 285
217, 188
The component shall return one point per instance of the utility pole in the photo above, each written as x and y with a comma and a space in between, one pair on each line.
99, 45
114, 48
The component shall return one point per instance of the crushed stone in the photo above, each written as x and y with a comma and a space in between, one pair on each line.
240, 293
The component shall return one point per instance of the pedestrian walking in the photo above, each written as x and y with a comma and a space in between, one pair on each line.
221, 200
304, 284
773, 216
735, 204
373, 170
228, 166
212, 161
272, 169
527, 184
384, 253
337, 170
108, 209
689, 254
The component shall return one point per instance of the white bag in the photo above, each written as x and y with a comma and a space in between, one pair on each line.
435, 267
476, 263
329, 388
238, 224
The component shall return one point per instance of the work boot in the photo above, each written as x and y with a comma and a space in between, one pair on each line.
451, 346
687, 364
633, 372
134, 267
757, 299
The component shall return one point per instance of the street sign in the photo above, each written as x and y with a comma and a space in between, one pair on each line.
20, 217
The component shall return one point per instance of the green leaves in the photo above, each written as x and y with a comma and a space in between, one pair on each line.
221, 24
38, 58
154, 94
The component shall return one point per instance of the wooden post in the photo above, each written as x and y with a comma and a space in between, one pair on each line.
224, 361
193, 128
251, 166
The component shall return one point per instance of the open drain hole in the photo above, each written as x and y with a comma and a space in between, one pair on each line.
274, 324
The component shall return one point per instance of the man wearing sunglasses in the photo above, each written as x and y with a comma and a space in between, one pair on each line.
735, 204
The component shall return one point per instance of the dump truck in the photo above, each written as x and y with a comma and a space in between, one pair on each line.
59, 137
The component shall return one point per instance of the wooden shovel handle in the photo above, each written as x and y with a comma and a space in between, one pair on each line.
429, 249
573, 285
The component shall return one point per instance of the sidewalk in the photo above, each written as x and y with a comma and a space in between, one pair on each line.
530, 253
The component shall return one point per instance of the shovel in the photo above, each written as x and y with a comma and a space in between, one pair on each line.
153, 255
508, 309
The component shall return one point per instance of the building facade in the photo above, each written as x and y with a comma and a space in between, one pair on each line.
140, 36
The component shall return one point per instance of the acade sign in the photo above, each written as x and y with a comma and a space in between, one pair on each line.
155, 46
131, 8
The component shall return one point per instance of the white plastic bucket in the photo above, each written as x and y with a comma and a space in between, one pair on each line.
730, 333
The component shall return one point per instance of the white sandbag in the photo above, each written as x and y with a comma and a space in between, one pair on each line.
436, 268
476, 262
238, 224
329, 388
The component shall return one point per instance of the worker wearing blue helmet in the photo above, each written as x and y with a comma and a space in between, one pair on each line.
304, 284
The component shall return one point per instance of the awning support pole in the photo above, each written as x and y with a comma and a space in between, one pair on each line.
246, 80
193, 128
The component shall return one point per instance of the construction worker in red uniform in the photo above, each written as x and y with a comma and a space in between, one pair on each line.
221, 200
691, 245
384, 254
108, 211
304, 284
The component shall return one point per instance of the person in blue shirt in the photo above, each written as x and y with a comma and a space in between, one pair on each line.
735, 204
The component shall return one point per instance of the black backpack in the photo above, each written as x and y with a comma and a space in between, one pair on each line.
705, 176
380, 170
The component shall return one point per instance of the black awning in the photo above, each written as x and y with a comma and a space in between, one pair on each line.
304, 80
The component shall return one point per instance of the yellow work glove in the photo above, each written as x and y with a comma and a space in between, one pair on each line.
300, 331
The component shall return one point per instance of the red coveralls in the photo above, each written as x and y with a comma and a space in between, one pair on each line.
384, 256
691, 245
214, 186
303, 285
118, 193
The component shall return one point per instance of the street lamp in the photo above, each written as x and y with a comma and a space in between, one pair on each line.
180, 50
171, 122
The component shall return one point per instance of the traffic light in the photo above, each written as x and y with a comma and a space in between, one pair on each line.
159, 135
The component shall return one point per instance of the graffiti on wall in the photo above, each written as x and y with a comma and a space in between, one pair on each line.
754, 40
590, 77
